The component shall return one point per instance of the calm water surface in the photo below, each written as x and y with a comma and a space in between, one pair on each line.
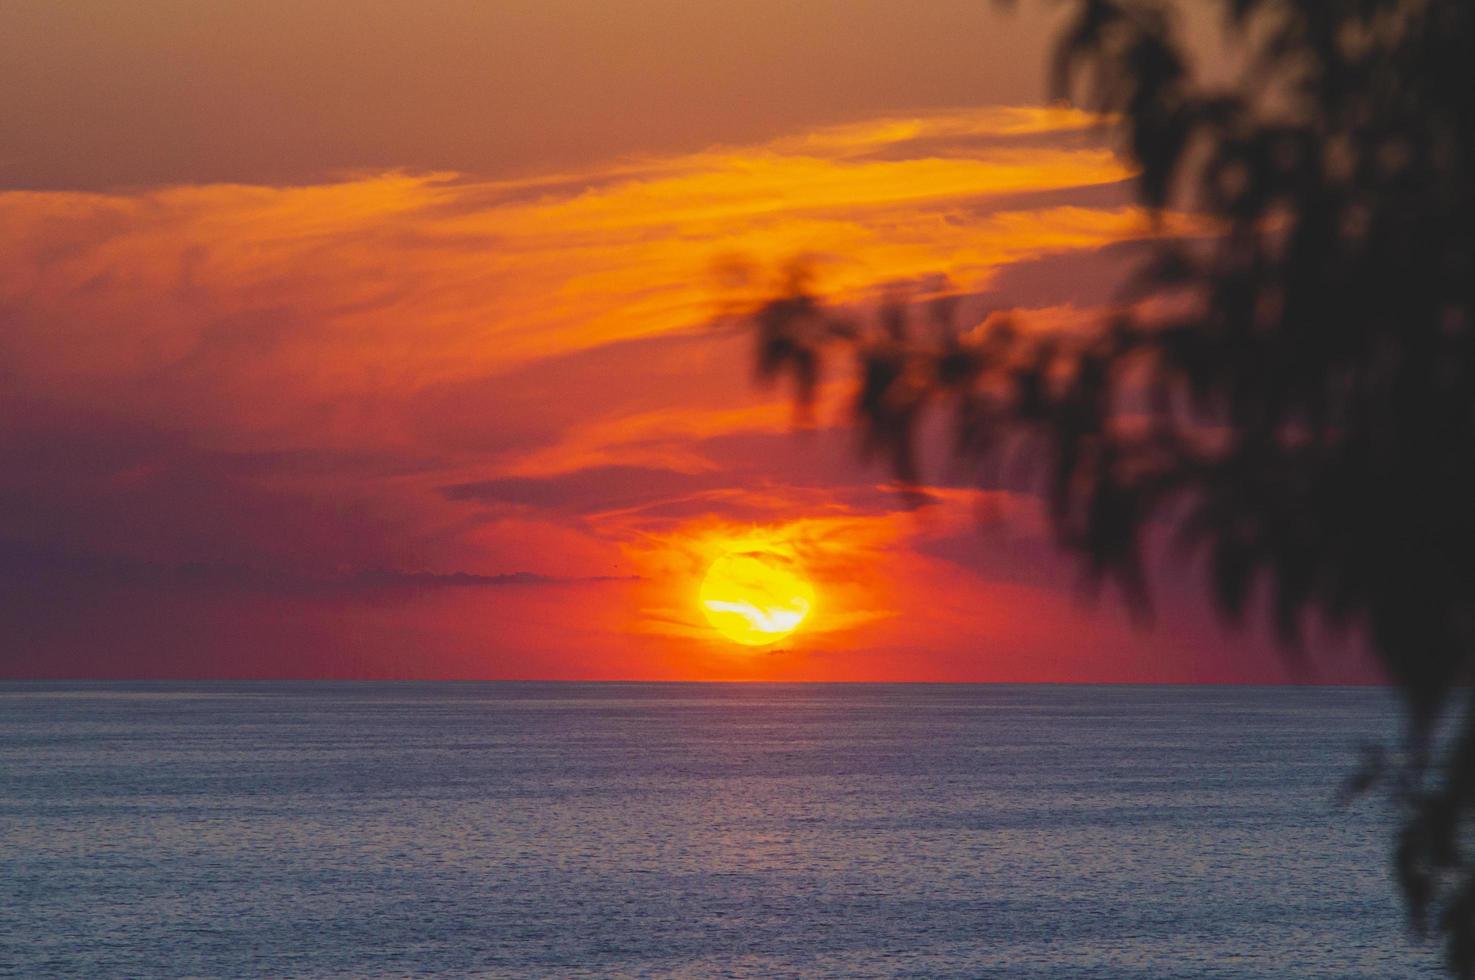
333, 830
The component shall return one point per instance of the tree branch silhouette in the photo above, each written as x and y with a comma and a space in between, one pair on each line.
1293, 393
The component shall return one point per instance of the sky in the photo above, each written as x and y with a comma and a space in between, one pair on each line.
360, 339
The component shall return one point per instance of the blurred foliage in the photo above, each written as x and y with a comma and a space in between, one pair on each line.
1290, 396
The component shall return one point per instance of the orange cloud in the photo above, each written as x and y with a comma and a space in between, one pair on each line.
389, 282
402, 374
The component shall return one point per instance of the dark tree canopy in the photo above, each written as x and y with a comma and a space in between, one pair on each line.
1296, 404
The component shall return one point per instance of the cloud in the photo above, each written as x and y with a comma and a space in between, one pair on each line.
584, 490
402, 279
504, 414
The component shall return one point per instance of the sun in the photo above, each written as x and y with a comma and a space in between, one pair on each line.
756, 597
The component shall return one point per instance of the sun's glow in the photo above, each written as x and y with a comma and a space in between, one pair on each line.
756, 597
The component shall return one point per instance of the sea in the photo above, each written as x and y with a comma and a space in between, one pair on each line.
695, 830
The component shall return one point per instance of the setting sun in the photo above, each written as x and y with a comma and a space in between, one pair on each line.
755, 597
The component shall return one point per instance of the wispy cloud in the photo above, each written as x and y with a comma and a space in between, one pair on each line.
401, 279
465, 390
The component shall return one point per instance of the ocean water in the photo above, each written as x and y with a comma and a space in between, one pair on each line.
563, 830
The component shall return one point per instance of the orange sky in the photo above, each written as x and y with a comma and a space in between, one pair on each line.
395, 358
